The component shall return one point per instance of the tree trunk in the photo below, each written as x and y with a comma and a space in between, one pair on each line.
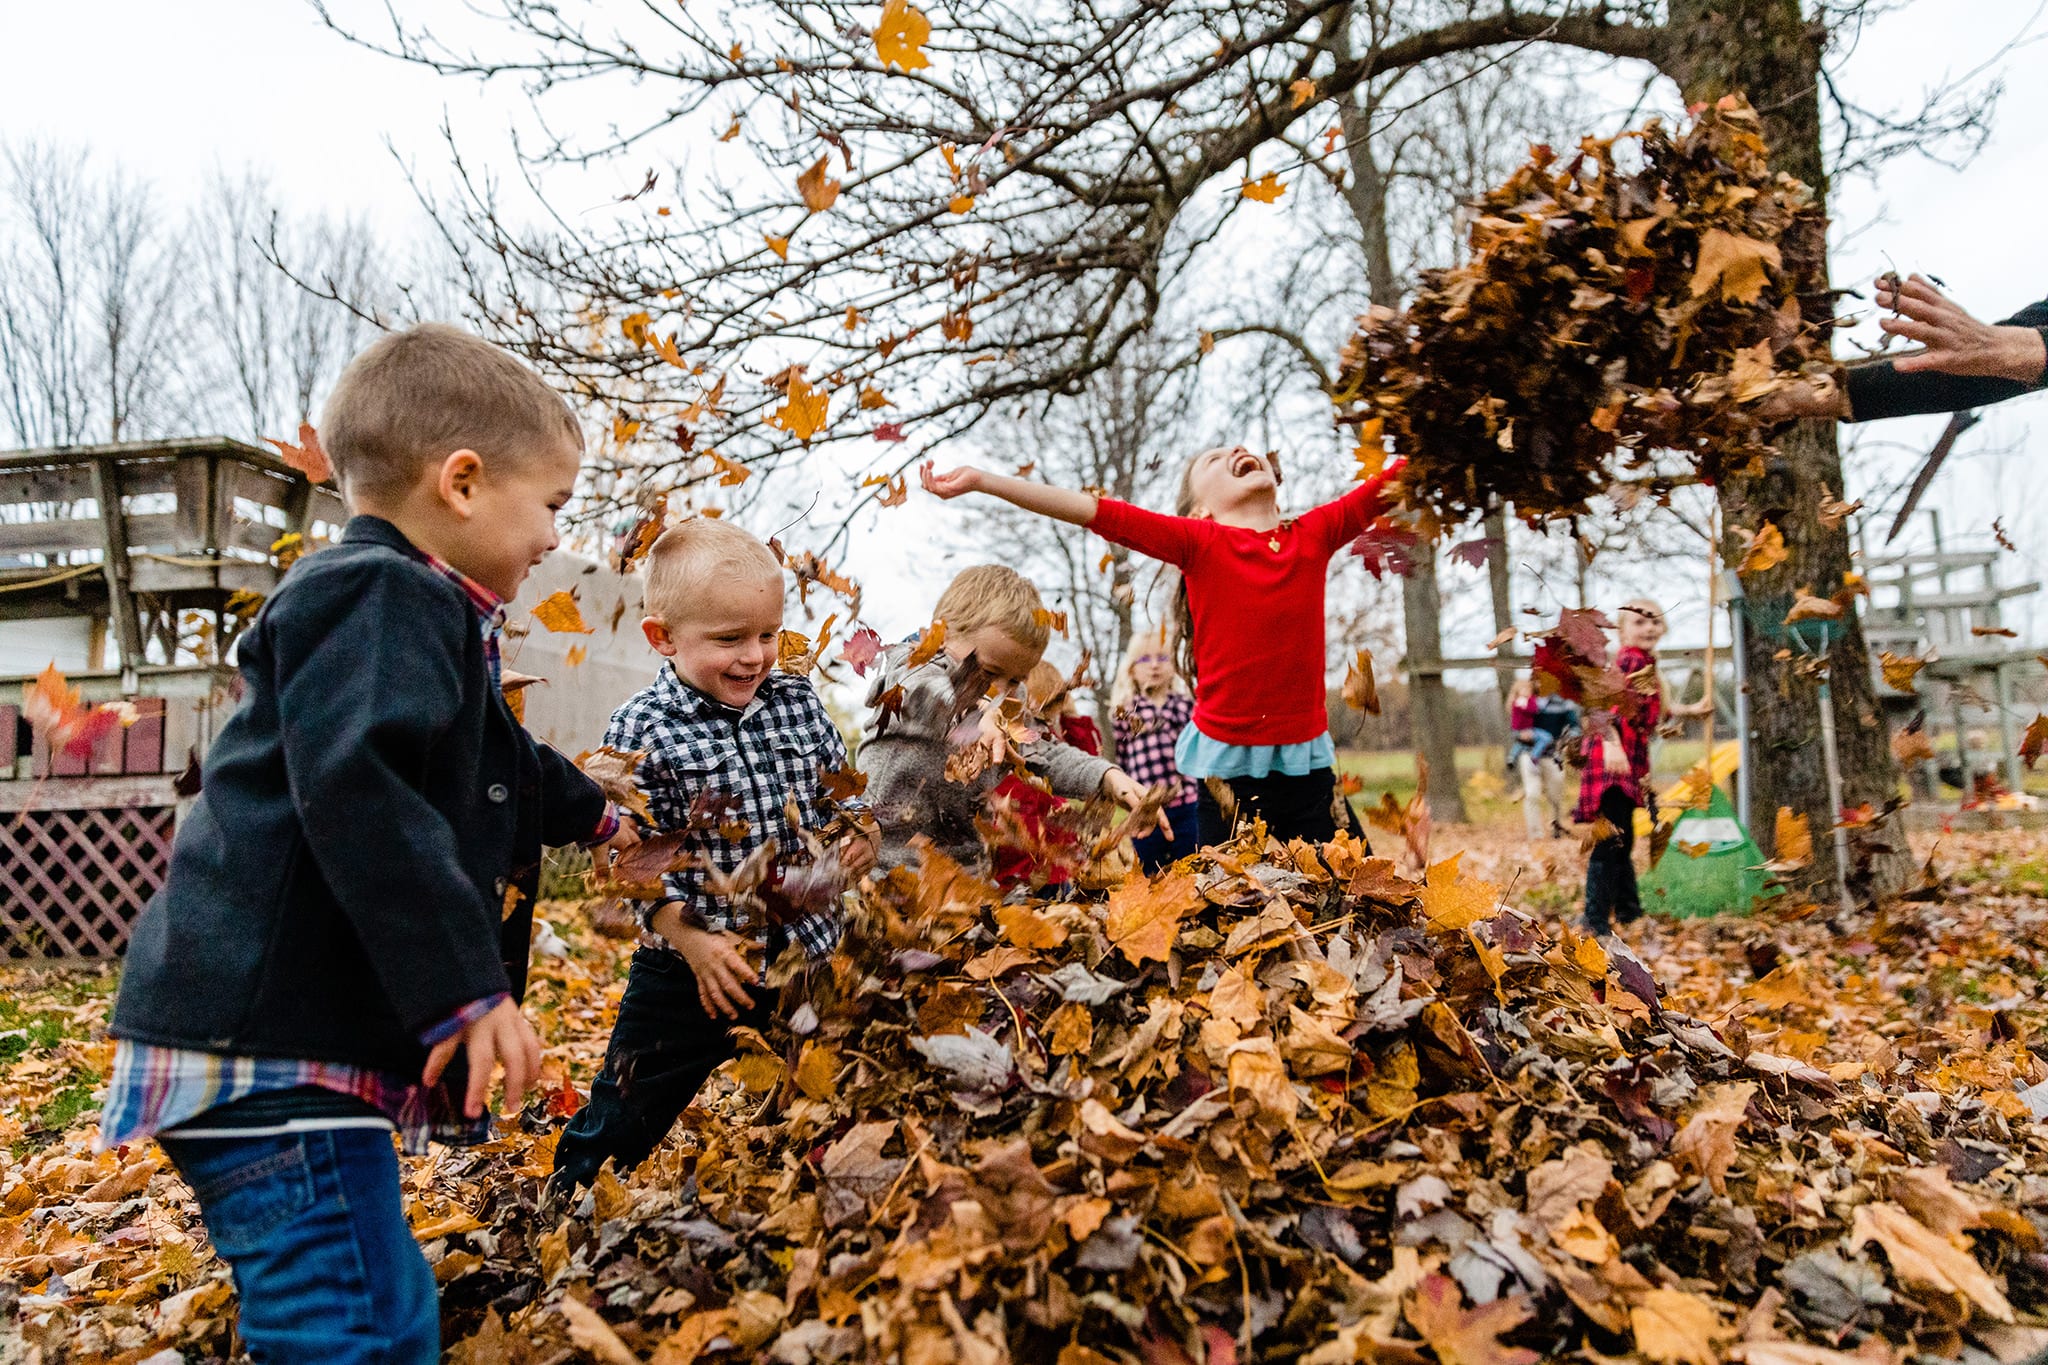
1500, 587
1429, 705
1768, 51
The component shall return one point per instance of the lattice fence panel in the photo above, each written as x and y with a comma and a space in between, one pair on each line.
73, 881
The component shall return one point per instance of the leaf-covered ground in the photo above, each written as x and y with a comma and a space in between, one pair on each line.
1277, 1108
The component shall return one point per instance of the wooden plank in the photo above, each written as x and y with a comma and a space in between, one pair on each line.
87, 793
127, 630
11, 727
105, 760
195, 503
150, 529
142, 747
259, 485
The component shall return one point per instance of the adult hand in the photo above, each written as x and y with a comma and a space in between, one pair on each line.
948, 484
1956, 342
500, 1037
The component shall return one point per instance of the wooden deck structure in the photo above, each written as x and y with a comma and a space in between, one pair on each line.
161, 548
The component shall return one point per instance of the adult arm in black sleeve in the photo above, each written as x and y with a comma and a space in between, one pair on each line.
1966, 364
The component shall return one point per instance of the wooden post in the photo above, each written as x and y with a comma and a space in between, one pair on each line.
1429, 705
1500, 583
106, 489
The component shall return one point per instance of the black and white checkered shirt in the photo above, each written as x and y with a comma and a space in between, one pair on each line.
733, 771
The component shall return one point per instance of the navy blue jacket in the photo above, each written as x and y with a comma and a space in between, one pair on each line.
1877, 390
340, 884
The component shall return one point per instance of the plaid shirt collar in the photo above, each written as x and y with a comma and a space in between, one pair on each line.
690, 704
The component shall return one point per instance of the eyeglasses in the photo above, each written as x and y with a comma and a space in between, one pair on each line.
1148, 659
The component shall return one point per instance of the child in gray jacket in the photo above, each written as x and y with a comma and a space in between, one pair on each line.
925, 722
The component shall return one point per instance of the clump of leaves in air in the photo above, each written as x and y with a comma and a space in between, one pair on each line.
1604, 312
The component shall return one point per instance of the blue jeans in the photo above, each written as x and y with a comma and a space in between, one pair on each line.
1154, 852
314, 1228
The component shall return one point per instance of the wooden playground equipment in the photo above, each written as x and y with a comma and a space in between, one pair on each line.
141, 560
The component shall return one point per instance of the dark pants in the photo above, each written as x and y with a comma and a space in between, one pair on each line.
313, 1226
1611, 870
1155, 852
662, 1050
1305, 807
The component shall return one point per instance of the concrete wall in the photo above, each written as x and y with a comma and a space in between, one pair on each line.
571, 708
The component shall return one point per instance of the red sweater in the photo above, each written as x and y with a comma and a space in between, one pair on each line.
1258, 610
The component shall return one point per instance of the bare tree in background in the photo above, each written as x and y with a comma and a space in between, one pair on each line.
93, 313
1127, 434
275, 347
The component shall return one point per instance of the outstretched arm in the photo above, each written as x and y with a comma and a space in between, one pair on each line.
1061, 504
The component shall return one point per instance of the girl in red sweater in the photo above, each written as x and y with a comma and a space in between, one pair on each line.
1252, 636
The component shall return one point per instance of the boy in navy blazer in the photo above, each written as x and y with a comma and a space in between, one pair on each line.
349, 899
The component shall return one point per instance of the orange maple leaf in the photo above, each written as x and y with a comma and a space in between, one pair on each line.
901, 36
1266, 189
1144, 915
803, 415
818, 192
1462, 1336
558, 612
307, 456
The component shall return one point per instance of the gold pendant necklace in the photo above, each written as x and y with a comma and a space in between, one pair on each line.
1274, 543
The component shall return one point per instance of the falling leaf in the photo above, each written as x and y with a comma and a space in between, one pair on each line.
861, 649
57, 711
1900, 670
576, 655
817, 191
1736, 263
1765, 551
2000, 631
559, 613
1793, 841
929, 643
901, 36
1807, 607
1461, 1336
889, 431
1833, 512
1143, 915
307, 456
1361, 693
1302, 91
778, 245
1267, 189
802, 415
731, 473
732, 132
2034, 740
960, 203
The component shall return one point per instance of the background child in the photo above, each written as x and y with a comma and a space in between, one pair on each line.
1251, 637
1052, 706
1150, 706
1617, 776
922, 718
1540, 727
329, 936
729, 740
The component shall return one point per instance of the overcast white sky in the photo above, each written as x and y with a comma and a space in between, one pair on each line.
176, 89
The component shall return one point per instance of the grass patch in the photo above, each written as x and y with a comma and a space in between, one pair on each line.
69, 1104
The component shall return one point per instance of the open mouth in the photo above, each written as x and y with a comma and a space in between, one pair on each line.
1245, 464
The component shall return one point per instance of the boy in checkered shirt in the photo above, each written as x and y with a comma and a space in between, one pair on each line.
733, 747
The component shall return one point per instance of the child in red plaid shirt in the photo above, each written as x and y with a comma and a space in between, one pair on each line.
1150, 707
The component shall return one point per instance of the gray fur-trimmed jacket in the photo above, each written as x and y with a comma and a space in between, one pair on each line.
904, 748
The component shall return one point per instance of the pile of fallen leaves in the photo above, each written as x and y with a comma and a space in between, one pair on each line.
1279, 1104
1605, 308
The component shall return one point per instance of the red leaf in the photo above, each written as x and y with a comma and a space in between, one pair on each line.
861, 649
1474, 551
889, 431
1385, 548
1584, 632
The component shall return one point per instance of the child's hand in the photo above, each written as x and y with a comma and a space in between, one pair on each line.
858, 853
950, 484
722, 971
602, 857
499, 1038
1120, 787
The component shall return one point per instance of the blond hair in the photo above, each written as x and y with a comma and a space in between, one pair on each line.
1153, 639
1044, 685
691, 555
994, 595
413, 398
